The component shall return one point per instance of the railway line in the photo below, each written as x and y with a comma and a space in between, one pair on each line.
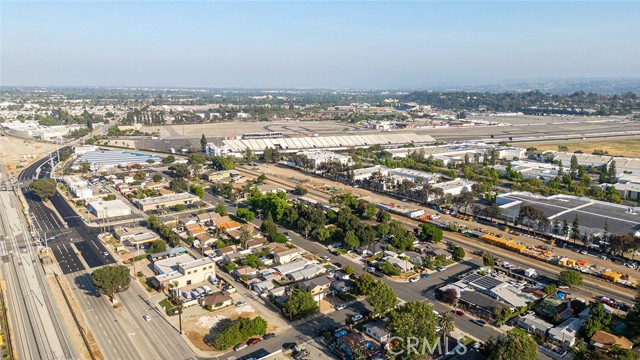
592, 284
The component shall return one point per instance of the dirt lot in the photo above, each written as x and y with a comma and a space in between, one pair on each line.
615, 147
16, 151
202, 323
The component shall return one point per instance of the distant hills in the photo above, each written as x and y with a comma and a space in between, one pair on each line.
555, 86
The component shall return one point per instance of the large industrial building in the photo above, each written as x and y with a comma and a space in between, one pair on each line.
235, 147
109, 159
591, 214
31, 129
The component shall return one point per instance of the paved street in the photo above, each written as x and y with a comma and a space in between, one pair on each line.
37, 332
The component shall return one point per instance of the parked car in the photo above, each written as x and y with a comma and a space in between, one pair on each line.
458, 312
241, 303
147, 318
326, 258
479, 322
289, 345
356, 317
240, 347
341, 307
253, 341
441, 268
301, 354
268, 336
425, 275
414, 280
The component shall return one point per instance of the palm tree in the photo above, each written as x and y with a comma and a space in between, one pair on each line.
245, 234
447, 323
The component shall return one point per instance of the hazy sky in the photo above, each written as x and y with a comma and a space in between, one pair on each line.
362, 44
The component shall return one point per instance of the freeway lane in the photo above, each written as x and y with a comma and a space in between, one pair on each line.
67, 258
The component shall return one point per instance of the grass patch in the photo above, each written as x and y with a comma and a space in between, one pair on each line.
622, 147
330, 267
167, 306
467, 341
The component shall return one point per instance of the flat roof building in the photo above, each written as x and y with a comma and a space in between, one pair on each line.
183, 270
108, 159
135, 236
108, 209
591, 214
153, 203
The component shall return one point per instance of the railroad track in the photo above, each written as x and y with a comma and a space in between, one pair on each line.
599, 285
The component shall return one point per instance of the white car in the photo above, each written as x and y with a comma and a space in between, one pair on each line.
105, 253
413, 280
341, 307
442, 268
331, 274
241, 303
147, 318
326, 258
356, 317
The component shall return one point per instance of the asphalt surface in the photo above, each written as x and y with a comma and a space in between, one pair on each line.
84, 238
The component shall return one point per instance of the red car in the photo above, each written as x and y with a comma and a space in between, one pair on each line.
253, 341
459, 312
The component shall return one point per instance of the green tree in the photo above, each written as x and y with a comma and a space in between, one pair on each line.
300, 304
220, 209
575, 229
550, 289
430, 232
458, 253
300, 190
599, 319
245, 214
364, 284
156, 177
179, 185
239, 332
488, 260
413, 319
612, 173
158, 246
111, 279
517, 344
387, 268
447, 322
570, 278
197, 190
203, 143
179, 170
43, 188
349, 270
169, 159
381, 297
179, 207
383, 216
351, 240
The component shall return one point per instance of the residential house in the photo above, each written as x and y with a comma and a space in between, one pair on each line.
604, 340
377, 330
342, 286
216, 300
533, 325
446, 253
263, 286
288, 268
308, 272
277, 292
403, 265
286, 256
414, 257
205, 239
371, 249
566, 334
247, 271
317, 286
255, 243
341, 275
227, 250
422, 248
178, 251
195, 229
